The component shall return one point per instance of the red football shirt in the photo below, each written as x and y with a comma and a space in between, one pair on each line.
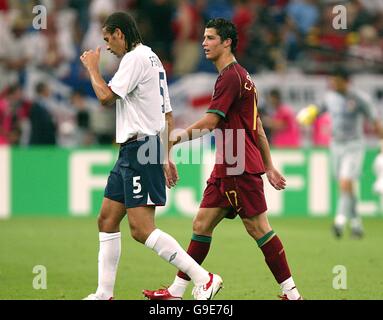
235, 100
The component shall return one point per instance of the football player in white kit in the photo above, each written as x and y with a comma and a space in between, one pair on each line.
348, 108
135, 185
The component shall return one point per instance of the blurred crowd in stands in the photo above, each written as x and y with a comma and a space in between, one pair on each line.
46, 96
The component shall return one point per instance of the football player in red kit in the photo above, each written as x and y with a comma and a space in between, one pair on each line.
234, 188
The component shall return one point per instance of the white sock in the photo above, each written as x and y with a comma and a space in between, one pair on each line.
343, 209
178, 287
355, 220
288, 288
169, 249
108, 258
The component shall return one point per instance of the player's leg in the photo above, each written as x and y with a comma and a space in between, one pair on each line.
203, 225
250, 198
356, 164
209, 215
259, 228
346, 200
111, 214
142, 226
350, 166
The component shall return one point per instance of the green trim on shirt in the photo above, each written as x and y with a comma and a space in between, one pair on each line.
217, 112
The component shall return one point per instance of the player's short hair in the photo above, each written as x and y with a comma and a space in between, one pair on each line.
40, 87
125, 22
341, 73
276, 93
226, 30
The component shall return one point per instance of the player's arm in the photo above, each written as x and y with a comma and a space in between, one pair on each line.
166, 137
90, 60
378, 127
170, 169
205, 125
274, 177
307, 115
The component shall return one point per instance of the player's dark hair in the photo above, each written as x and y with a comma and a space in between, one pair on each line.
40, 87
226, 30
341, 73
275, 93
125, 22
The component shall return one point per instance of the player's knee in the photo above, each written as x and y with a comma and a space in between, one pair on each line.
200, 227
101, 221
138, 233
253, 231
346, 186
256, 230
107, 224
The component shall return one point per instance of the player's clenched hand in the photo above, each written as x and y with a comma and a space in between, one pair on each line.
90, 59
276, 179
171, 174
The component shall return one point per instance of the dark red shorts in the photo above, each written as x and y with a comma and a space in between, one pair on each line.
242, 194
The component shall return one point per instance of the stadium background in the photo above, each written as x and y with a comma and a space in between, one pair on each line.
51, 185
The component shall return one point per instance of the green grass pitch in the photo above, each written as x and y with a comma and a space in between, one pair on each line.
68, 248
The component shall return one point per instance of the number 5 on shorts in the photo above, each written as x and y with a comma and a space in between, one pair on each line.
136, 184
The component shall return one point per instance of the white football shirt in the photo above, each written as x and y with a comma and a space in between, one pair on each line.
140, 82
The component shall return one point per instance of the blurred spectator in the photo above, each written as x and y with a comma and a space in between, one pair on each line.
15, 51
82, 9
14, 110
357, 14
328, 46
274, 35
265, 115
155, 18
263, 51
4, 5
243, 18
102, 123
99, 11
188, 29
85, 135
56, 44
367, 53
218, 8
285, 131
43, 128
5, 121
304, 14
301, 17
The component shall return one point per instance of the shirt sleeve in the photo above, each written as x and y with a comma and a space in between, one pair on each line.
127, 76
226, 90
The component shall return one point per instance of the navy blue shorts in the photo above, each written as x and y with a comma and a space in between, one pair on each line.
137, 178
